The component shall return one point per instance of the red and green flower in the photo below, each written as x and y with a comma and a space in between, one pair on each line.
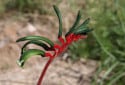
75, 33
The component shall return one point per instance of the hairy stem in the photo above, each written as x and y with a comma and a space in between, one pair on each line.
44, 71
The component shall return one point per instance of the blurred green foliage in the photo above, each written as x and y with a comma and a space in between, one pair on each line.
2, 8
22, 5
107, 19
27, 6
106, 43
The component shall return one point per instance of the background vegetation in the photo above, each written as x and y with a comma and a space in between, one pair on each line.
105, 44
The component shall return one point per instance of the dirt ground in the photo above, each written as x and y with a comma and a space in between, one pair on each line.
60, 72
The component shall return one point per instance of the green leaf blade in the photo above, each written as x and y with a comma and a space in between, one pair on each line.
27, 54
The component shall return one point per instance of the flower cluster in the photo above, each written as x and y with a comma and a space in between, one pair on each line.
75, 33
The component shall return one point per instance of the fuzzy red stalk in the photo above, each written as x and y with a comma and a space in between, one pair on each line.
58, 49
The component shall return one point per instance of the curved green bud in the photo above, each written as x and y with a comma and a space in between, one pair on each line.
82, 31
60, 20
33, 38
77, 20
37, 42
27, 54
85, 23
75, 24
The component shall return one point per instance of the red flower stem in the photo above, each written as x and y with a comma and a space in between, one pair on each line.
58, 50
44, 71
61, 40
